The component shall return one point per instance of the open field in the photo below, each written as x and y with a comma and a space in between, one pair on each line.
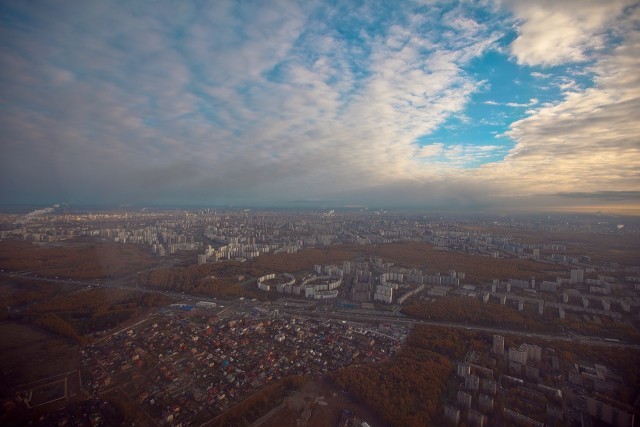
47, 393
41, 367
16, 292
82, 261
29, 354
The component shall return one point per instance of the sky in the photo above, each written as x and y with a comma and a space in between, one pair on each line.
469, 105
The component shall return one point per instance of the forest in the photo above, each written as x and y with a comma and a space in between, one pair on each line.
77, 315
21, 291
405, 390
471, 310
81, 261
211, 280
474, 311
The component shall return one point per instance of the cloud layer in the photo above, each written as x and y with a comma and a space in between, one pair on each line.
555, 32
234, 102
588, 141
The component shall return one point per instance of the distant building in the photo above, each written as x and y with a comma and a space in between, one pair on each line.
577, 276
532, 373
463, 369
452, 414
471, 382
489, 387
384, 294
485, 402
534, 352
547, 286
610, 414
346, 267
464, 399
518, 355
438, 291
476, 418
515, 368
498, 344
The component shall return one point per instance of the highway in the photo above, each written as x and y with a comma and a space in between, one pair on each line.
380, 317
101, 283
374, 316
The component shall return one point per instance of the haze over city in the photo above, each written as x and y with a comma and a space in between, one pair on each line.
447, 105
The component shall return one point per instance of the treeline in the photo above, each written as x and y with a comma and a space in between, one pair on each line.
404, 391
212, 280
53, 323
94, 300
471, 310
81, 313
305, 260
452, 343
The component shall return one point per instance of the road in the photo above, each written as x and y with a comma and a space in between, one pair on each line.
103, 283
374, 316
380, 317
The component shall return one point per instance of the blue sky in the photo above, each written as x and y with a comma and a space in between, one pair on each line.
464, 105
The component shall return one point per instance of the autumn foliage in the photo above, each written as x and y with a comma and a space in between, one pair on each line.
269, 392
210, 280
78, 314
471, 310
75, 260
306, 259
405, 390
411, 255
53, 323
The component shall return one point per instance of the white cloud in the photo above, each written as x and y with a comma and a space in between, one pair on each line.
539, 75
227, 101
554, 32
589, 141
431, 150
531, 103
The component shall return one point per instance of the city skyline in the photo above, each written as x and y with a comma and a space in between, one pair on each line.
466, 105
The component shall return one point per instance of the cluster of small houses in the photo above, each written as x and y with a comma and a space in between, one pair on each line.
180, 370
